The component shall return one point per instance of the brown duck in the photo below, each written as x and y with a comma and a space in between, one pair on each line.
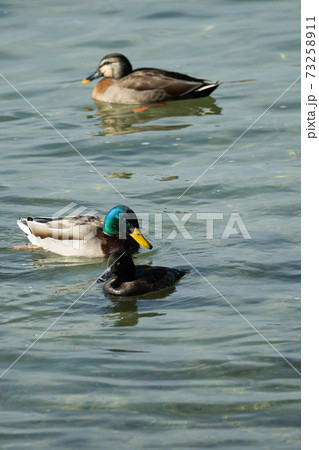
122, 84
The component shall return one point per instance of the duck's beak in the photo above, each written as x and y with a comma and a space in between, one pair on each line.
92, 77
140, 239
106, 276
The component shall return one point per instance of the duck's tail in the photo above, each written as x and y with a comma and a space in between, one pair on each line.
206, 89
23, 225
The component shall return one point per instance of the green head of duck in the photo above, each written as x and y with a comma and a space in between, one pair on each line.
121, 221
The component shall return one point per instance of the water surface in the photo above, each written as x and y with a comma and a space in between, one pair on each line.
181, 369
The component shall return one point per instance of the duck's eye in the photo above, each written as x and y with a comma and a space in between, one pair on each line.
118, 263
106, 63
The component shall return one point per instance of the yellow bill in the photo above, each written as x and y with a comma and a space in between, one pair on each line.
86, 81
140, 239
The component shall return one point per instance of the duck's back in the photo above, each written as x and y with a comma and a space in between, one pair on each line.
167, 74
147, 279
148, 85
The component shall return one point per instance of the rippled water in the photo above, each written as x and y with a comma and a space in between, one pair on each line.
185, 368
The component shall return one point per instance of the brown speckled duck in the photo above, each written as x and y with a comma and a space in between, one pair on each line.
122, 84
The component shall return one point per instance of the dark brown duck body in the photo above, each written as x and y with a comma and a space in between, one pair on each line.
137, 280
121, 84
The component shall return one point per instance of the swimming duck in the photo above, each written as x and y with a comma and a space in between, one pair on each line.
122, 84
87, 236
136, 280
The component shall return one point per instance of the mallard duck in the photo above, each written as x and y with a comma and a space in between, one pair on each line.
122, 84
87, 236
136, 280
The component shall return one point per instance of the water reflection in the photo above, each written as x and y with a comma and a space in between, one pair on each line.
44, 258
123, 311
124, 119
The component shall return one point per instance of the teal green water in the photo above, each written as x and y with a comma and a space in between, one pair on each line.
181, 369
